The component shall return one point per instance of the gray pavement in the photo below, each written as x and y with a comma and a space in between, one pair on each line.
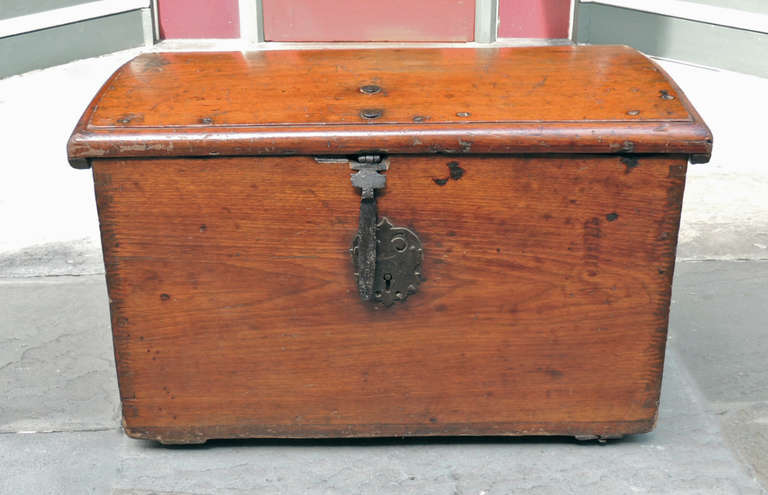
719, 328
59, 419
57, 372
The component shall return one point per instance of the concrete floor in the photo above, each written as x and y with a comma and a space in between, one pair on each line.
59, 407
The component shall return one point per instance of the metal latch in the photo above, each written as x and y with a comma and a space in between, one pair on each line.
387, 258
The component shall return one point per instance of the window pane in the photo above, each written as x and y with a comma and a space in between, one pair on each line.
534, 18
199, 19
357, 20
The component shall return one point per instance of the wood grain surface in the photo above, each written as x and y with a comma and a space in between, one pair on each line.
235, 313
562, 99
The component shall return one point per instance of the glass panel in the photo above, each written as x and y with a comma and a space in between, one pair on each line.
198, 19
757, 6
534, 18
15, 8
356, 20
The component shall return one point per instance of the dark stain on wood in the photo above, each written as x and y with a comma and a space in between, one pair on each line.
455, 171
630, 162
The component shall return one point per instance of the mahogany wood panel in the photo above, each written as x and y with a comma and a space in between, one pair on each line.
596, 99
235, 312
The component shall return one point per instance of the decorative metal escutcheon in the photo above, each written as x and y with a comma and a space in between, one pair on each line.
387, 258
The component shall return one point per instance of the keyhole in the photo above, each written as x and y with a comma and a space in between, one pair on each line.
387, 280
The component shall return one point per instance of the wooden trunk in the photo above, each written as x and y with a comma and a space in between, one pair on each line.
544, 185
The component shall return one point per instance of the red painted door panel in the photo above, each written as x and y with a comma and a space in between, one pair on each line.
369, 20
534, 18
198, 19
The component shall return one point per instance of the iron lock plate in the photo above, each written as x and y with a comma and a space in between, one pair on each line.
387, 258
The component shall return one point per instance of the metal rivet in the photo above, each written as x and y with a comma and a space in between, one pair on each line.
370, 89
371, 113
463, 114
420, 118
633, 112
665, 95
399, 244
